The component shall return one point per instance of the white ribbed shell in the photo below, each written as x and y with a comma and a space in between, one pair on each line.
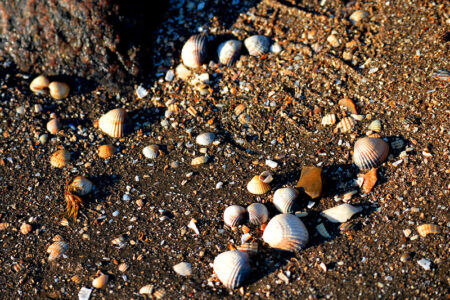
60, 158
370, 152
286, 232
229, 52
257, 213
341, 213
346, 124
81, 186
195, 51
329, 119
284, 199
257, 44
151, 152
375, 126
183, 269
114, 122
232, 268
234, 215
56, 250
206, 138
260, 184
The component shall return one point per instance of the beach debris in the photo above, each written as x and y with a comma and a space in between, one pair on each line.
329, 119
285, 199
346, 124
151, 151
183, 269
358, 15
260, 184
368, 180
58, 90
199, 160
205, 139
311, 181
25, 228
370, 152
321, 229
39, 85
146, 289
54, 126
286, 232
100, 281
375, 126
425, 263
56, 250
341, 213
106, 151
193, 225
232, 268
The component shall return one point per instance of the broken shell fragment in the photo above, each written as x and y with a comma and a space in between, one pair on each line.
146, 289
54, 126
183, 269
375, 126
25, 228
329, 119
195, 51
260, 184
56, 250
257, 45
341, 213
200, 160
441, 74
59, 90
106, 151
229, 52
232, 268
346, 124
311, 181
370, 152
206, 138
81, 186
257, 213
286, 232
358, 15
60, 158
151, 152
234, 215
100, 281
285, 199
114, 123
349, 105
39, 85
426, 229
123, 267
368, 180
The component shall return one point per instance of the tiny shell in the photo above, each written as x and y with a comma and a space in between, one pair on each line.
349, 105
192, 225
159, 294
229, 52
100, 281
114, 123
370, 152
286, 232
56, 250
257, 213
346, 124
54, 126
195, 51
146, 289
257, 45
81, 186
260, 184
375, 126
206, 138
329, 119
285, 199
60, 158
333, 40
151, 152
59, 90
141, 92
25, 228
232, 268
426, 229
200, 160
341, 213
183, 269
358, 15
39, 84
234, 215
123, 267
106, 151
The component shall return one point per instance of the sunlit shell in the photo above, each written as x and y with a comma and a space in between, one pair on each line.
260, 184
56, 250
322, 230
426, 229
341, 213
239, 109
347, 226
346, 124
329, 119
60, 158
39, 85
100, 281
106, 151
229, 52
367, 181
234, 215
146, 289
114, 123
375, 126
257, 213
370, 152
200, 160
151, 151
54, 126
286, 232
4, 226
257, 45
285, 199
195, 51
183, 269
25, 228
59, 90
348, 104
206, 138
232, 268
358, 15
123, 267
249, 248
81, 186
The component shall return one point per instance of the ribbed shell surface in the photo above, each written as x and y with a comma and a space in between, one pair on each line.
229, 52
81, 186
341, 213
151, 151
234, 215
286, 232
232, 268
257, 187
106, 151
114, 122
195, 51
329, 119
60, 158
370, 152
257, 213
285, 199
346, 124
206, 138
257, 45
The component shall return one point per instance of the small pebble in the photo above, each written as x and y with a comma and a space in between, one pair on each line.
425, 263
126, 197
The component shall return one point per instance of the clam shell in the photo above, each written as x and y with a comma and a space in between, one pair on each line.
346, 124
232, 268
25, 228
329, 119
195, 51
151, 152
260, 184
370, 152
183, 269
257, 213
59, 90
234, 215
341, 213
54, 126
257, 45
106, 151
358, 15
81, 186
426, 229
39, 84
114, 123
146, 289
200, 160
100, 281
375, 126
123, 267
286, 232
204, 139
60, 158
229, 51
56, 250
284, 199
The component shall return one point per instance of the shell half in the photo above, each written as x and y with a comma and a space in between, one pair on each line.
195, 51
151, 152
285, 199
257, 45
183, 269
257, 213
341, 213
229, 52
81, 186
114, 123
286, 232
426, 229
232, 268
260, 184
39, 85
206, 138
60, 158
370, 152
106, 151
234, 215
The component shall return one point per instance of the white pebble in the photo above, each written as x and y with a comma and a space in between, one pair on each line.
271, 164
170, 75
126, 197
425, 263
275, 48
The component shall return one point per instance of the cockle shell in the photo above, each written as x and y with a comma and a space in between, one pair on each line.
60, 158
375, 126
151, 152
183, 269
257, 45
346, 124
257, 213
54, 126
204, 139
286, 232
114, 123
39, 85
370, 152
25, 228
234, 215
341, 213
426, 229
59, 90
329, 119
56, 250
195, 51
229, 51
100, 281
260, 184
200, 160
106, 151
81, 186
284, 199
232, 268
146, 289
123, 267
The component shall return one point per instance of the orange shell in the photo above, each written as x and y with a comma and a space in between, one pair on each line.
60, 158
426, 229
106, 151
59, 90
114, 122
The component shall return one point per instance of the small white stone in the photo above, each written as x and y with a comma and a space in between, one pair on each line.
126, 197
219, 185
170, 75
84, 293
271, 164
407, 232
141, 92
425, 263
275, 48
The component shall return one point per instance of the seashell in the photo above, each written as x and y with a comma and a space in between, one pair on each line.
257, 45
229, 51
100, 281
159, 294
146, 289
59, 90
375, 126
346, 124
4, 226
17, 267
123, 267
183, 72
106, 151
54, 126
56, 250
260, 184
357, 117
57, 238
199, 160
118, 241
349, 105
60, 158
232, 268
341, 213
322, 230
441, 74
64, 222
76, 279
114, 123
370, 152
426, 229
183, 269
358, 15
333, 40
249, 248
367, 181
81, 186
151, 152
192, 225
195, 51
25, 228
141, 92
239, 109
286, 232
234, 215
284, 199
39, 84
329, 119
257, 213
206, 138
